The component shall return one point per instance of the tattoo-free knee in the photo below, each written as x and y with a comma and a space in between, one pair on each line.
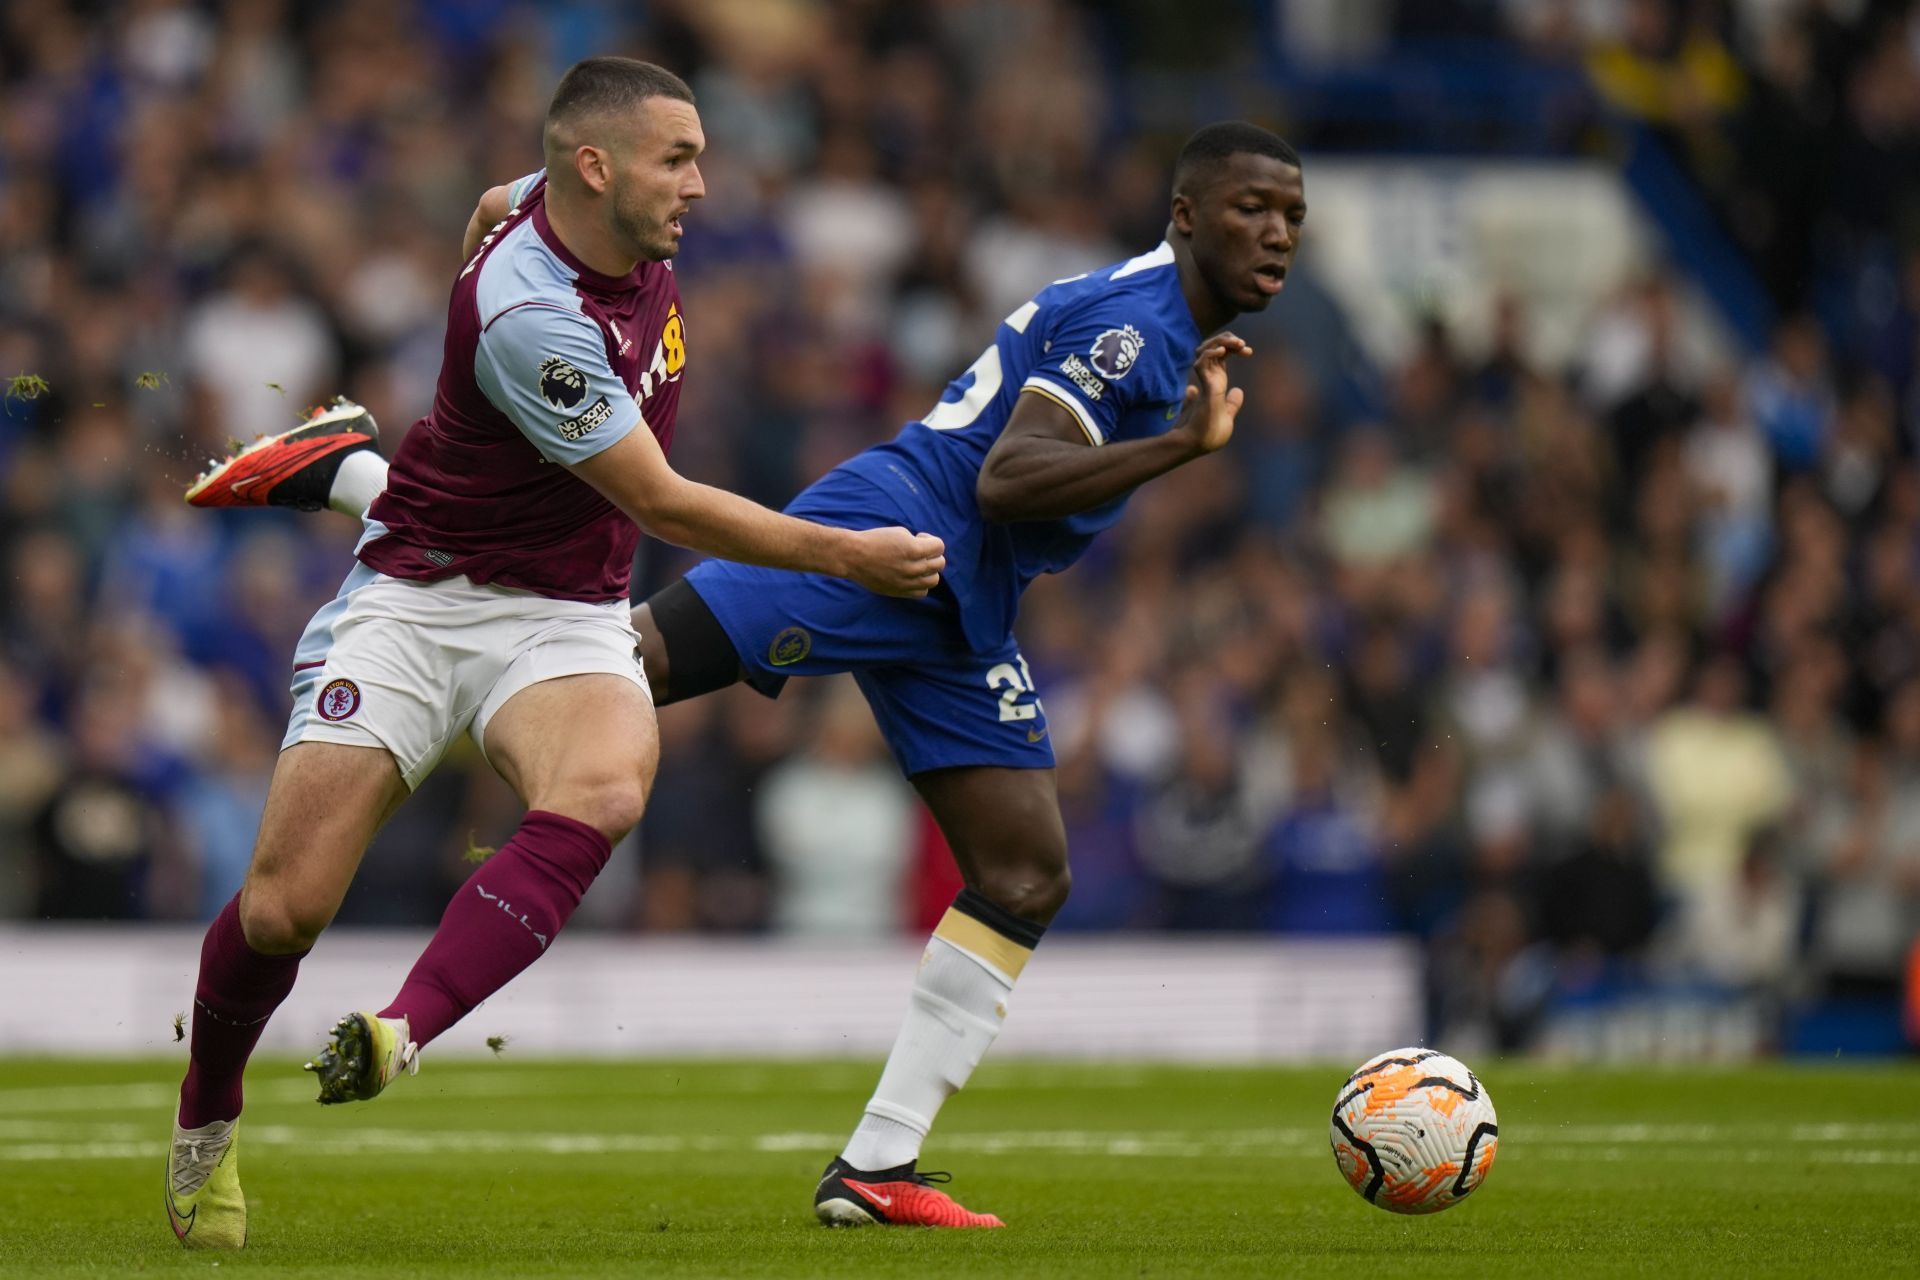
277, 923
612, 806
1033, 889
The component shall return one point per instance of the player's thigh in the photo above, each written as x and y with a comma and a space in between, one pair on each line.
780, 623
947, 708
585, 746
972, 736
386, 665
324, 804
684, 648
999, 822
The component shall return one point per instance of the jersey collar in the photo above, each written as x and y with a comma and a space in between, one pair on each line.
588, 276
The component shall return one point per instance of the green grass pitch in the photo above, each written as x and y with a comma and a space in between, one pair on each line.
524, 1167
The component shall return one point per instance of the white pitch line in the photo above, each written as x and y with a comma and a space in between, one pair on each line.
1722, 1155
118, 1142
68, 1130
465, 1081
1866, 1157
1851, 1132
87, 1097
84, 1151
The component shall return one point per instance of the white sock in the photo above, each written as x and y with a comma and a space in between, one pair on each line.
361, 477
879, 1143
959, 1003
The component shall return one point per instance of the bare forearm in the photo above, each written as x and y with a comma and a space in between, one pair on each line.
476, 232
1045, 479
717, 523
493, 206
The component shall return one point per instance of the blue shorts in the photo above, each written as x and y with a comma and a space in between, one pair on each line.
939, 703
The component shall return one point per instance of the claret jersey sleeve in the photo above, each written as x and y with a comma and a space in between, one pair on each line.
545, 367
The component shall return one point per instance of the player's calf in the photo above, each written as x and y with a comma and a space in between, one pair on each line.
500, 921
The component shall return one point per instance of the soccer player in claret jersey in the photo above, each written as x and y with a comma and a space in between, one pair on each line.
490, 597
1100, 383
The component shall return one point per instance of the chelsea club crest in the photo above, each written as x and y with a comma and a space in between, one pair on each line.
789, 647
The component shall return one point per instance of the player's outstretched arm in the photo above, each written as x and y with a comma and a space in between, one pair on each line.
1043, 467
634, 476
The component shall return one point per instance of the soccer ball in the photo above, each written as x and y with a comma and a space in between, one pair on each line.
1413, 1131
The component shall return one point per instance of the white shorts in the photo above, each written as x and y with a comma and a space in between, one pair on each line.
408, 665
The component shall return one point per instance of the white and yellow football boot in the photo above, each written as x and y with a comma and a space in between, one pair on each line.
205, 1205
364, 1055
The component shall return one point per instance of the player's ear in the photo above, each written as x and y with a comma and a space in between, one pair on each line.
1183, 213
594, 166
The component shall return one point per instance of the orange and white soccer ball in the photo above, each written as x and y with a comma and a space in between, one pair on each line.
1414, 1131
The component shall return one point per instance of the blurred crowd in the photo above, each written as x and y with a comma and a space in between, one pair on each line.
1579, 674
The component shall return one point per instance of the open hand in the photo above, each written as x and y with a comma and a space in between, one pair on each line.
1208, 412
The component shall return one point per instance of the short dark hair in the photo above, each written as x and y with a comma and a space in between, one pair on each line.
1215, 144
594, 85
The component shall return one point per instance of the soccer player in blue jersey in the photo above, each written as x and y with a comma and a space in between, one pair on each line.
1100, 383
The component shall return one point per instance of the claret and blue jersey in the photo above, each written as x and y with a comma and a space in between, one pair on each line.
547, 362
944, 675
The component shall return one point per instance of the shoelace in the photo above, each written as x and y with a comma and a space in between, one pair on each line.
407, 1060
202, 1155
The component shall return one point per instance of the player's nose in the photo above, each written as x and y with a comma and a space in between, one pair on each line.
695, 186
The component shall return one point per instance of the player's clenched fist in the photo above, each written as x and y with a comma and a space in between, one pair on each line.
897, 562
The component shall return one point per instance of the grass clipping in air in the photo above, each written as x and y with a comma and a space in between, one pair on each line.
27, 386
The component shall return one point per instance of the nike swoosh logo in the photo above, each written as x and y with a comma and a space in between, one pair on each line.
241, 485
884, 1202
1034, 735
180, 1225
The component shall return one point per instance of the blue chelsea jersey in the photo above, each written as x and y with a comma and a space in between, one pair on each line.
1113, 348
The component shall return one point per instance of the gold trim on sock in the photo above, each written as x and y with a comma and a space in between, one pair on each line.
984, 941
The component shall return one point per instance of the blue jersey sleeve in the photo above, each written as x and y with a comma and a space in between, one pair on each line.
546, 368
1091, 350
518, 188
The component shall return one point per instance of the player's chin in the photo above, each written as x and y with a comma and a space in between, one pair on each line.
1257, 298
660, 244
